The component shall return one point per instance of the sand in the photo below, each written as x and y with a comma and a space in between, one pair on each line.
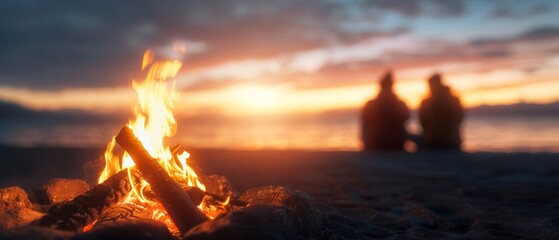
430, 195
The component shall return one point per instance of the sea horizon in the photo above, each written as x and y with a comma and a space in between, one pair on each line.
479, 134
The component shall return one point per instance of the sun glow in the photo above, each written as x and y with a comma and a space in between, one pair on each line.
255, 97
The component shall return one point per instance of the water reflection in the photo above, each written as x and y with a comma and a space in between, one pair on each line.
532, 134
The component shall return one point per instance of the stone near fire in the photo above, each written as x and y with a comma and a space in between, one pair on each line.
7, 222
13, 198
59, 190
84, 209
15, 208
309, 217
253, 222
16, 217
134, 229
34, 232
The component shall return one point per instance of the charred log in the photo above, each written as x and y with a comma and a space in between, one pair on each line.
123, 212
86, 208
172, 197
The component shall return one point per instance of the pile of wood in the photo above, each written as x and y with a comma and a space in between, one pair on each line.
70, 209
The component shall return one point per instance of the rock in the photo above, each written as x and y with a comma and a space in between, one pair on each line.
218, 185
134, 229
424, 217
36, 233
16, 209
22, 216
253, 222
13, 198
59, 190
7, 222
310, 217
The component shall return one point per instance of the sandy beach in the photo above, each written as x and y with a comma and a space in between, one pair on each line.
430, 195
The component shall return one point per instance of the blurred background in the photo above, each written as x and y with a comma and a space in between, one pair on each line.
278, 74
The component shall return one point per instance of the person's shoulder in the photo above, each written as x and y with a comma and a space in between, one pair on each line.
456, 100
370, 103
426, 101
401, 102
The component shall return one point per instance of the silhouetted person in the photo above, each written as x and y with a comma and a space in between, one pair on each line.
440, 116
383, 119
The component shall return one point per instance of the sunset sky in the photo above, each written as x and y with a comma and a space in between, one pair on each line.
277, 57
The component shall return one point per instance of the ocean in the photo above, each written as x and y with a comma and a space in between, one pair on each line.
480, 134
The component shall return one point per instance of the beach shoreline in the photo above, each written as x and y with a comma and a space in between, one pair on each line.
429, 195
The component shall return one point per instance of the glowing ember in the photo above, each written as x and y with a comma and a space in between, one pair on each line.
154, 121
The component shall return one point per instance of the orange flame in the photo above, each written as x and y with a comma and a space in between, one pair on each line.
154, 121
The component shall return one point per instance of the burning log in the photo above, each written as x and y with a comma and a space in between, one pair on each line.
174, 199
195, 194
123, 212
86, 208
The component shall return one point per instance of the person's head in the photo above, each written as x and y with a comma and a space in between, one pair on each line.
386, 81
435, 83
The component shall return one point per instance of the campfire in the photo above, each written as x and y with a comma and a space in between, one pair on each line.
154, 121
147, 180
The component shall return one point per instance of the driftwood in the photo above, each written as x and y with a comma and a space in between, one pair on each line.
172, 197
86, 208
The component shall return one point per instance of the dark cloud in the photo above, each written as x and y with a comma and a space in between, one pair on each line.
212, 84
57, 44
414, 8
503, 12
541, 33
488, 53
506, 11
517, 110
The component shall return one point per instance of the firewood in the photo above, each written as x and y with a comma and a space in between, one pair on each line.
86, 208
123, 212
172, 197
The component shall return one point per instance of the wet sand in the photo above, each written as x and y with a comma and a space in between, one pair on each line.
430, 195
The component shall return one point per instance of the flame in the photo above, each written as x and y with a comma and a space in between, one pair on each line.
154, 121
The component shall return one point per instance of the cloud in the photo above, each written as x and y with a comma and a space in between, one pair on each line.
416, 8
534, 35
503, 11
481, 55
59, 44
478, 56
